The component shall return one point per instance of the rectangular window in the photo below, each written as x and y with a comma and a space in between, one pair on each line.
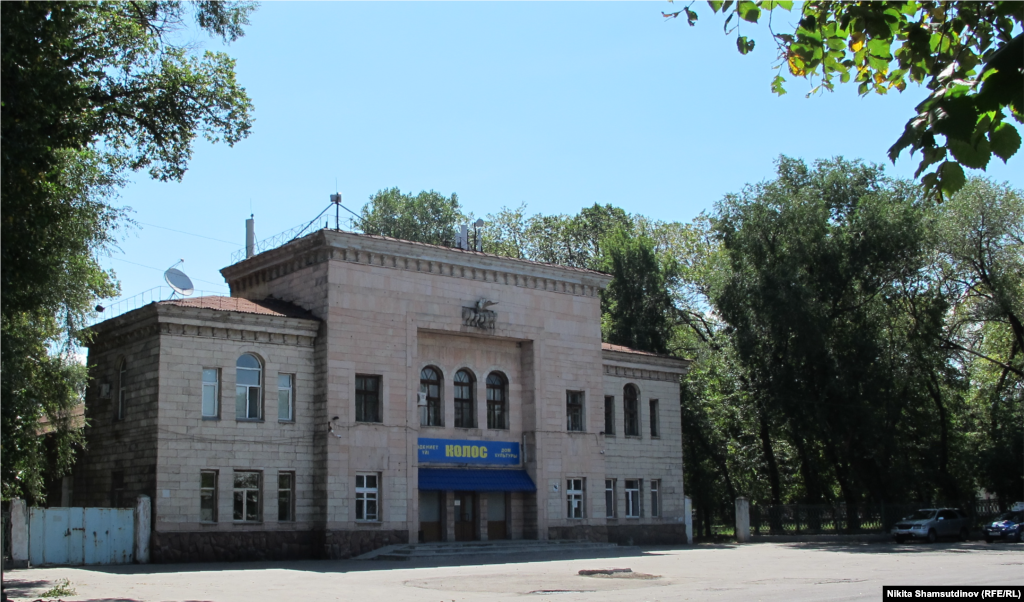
208, 496
247, 496
367, 496
656, 498
574, 410
117, 489
609, 498
286, 397
654, 418
574, 497
633, 498
367, 398
609, 415
211, 392
286, 496
631, 410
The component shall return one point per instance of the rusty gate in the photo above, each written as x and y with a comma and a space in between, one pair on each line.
77, 536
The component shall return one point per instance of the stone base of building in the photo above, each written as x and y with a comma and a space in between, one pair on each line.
339, 545
624, 535
227, 546
597, 533
647, 535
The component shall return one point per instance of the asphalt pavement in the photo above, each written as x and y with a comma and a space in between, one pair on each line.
799, 571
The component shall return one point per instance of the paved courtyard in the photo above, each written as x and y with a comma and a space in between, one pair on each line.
762, 571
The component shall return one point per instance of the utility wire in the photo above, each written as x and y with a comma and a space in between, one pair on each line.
220, 284
227, 242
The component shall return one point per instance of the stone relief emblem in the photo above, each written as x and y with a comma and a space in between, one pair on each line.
478, 316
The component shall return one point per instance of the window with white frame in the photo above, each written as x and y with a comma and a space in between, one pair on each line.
286, 397
208, 496
367, 496
574, 497
248, 388
656, 497
122, 389
286, 496
211, 392
574, 410
609, 498
247, 496
633, 498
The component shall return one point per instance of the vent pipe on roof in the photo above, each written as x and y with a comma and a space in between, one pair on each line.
250, 237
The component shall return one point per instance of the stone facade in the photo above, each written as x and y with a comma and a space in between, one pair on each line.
333, 309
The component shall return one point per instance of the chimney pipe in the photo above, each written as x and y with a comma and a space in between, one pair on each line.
250, 237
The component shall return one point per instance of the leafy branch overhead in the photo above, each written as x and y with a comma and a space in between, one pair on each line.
964, 53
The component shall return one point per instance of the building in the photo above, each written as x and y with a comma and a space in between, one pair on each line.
357, 391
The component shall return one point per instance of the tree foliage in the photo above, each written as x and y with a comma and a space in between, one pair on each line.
637, 308
89, 91
428, 217
964, 53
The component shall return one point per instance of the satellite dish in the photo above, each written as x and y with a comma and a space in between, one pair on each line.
178, 281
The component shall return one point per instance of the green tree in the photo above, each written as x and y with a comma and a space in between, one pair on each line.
89, 90
964, 53
428, 217
824, 264
980, 262
637, 307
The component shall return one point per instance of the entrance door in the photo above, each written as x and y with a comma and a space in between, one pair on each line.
497, 525
465, 516
430, 516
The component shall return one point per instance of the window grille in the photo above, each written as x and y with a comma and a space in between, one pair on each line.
497, 401
574, 410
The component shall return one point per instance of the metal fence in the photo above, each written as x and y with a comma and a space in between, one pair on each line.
840, 518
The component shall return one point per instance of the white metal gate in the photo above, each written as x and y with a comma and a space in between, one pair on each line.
79, 536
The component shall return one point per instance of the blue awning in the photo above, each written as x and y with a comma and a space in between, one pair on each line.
456, 479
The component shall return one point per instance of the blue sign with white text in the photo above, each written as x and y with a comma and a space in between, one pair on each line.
460, 451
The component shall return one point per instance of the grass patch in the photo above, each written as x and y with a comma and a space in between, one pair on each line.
62, 588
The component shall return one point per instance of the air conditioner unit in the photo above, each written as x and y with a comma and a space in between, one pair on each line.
422, 401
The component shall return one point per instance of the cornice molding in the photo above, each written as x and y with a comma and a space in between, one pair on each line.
392, 254
158, 320
640, 373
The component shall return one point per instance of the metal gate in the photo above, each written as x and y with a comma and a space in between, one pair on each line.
79, 536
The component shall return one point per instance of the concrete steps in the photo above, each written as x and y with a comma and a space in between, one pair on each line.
452, 550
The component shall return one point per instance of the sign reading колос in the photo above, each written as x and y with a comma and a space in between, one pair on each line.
461, 451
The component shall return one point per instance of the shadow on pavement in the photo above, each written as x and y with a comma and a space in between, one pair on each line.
863, 547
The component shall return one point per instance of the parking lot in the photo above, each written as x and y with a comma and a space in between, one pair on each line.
760, 571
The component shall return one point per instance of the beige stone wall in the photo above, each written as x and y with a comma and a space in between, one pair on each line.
389, 308
646, 457
192, 340
128, 445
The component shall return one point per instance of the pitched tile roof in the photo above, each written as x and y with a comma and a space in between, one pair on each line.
266, 307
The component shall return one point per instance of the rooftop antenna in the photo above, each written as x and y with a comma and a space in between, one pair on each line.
178, 281
336, 199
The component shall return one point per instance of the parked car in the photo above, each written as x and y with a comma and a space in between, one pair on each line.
930, 524
1008, 526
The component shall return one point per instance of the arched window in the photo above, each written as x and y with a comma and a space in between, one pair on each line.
430, 397
464, 385
497, 401
122, 389
631, 406
248, 388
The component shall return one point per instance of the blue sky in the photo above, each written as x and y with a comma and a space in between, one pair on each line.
556, 105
